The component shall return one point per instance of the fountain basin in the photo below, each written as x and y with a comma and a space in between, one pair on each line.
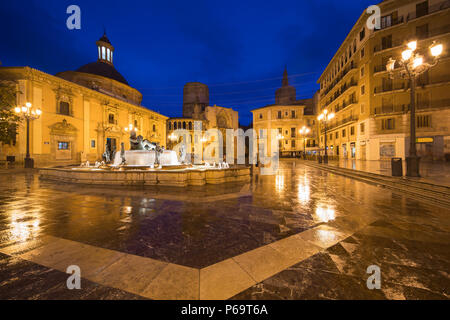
197, 175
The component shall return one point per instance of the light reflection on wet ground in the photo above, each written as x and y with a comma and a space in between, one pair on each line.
196, 233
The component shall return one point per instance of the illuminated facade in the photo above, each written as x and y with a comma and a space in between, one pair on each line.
82, 112
371, 110
288, 116
197, 111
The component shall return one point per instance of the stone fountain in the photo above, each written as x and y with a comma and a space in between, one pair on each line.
147, 164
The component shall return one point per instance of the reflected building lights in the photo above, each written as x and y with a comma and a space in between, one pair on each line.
279, 183
325, 213
304, 191
326, 236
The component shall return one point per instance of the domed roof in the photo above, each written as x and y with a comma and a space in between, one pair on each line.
104, 38
103, 69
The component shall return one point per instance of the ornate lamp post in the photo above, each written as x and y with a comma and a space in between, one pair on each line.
303, 132
412, 65
325, 117
28, 113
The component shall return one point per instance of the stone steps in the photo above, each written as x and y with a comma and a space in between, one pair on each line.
436, 194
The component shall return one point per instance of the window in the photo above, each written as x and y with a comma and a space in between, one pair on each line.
388, 124
154, 128
190, 125
362, 71
135, 123
352, 131
362, 53
386, 42
279, 115
386, 21
422, 31
280, 131
103, 53
260, 116
331, 136
293, 114
362, 128
421, 9
111, 118
424, 121
336, 134
174, 126
292, 132
170, 125
343, 133
362, 34
354, 46
62, 145
64, 108
92, 143
107, 54
184, 124
293, 143
363, 89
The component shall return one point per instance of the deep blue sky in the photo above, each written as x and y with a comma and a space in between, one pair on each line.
238, 48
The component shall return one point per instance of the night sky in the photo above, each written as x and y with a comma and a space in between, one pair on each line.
238, 48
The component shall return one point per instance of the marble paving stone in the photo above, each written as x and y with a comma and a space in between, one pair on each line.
22, 247
324, 236
263, 262
223, 280
295, 249
63, 253
174, 282
130, 273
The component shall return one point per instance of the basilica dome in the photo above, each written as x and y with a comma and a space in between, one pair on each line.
102, 76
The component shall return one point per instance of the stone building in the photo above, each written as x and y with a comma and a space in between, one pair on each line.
372, 110
82, 112
197, 111
288, 115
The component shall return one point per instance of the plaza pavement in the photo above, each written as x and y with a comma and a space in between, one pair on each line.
302, 234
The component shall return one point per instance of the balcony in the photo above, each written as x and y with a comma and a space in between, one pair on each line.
388, 109
431, 9
345, 104
400, 42
420, 106
350, 67
434, 104
339, 123
341, 91
391, 87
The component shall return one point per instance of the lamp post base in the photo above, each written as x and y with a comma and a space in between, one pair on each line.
412, 166
29, 163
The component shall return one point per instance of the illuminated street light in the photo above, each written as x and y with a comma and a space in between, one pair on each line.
29, 114
436, 49
303, 132
413, 65
325, 117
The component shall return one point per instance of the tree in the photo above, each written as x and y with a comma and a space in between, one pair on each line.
8, 118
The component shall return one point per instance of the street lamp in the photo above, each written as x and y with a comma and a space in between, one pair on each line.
413, 65
325, 117
131, 128
303, 132
28, 113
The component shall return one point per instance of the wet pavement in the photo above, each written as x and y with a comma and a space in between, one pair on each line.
330, 229
436, 172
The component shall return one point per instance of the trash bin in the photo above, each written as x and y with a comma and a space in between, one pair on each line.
397, 167
320, 159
